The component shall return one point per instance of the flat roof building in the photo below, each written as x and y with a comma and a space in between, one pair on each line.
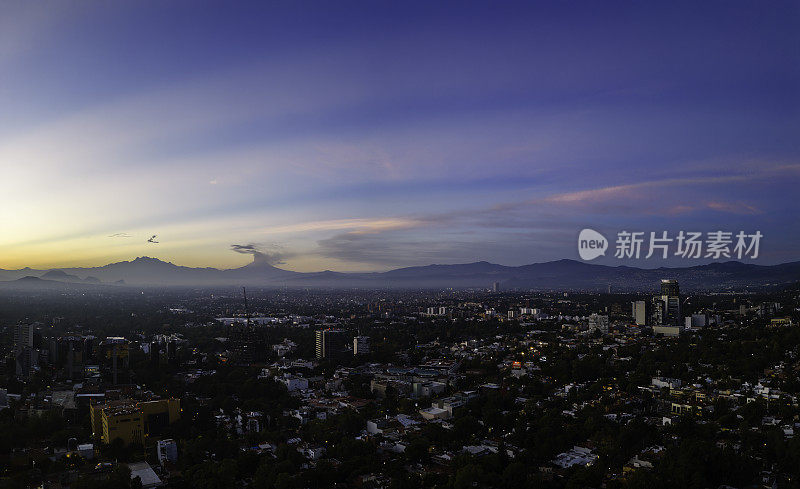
132, 421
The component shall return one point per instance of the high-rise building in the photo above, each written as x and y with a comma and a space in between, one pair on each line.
598, 322
330, 344
155, 357
26, 360
670, 287
117, 350
673, 309
26, 354
361, 345
496, 287
247, 343
319, 340
23, 335
667, 306
69, 342
53, 347
88, 348
172, 352
3, 399
640, 312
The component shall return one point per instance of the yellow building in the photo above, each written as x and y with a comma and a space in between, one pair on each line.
679, 408
123, 422
132, 421
160, 413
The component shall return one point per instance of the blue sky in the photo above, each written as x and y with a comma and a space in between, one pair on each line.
372, 135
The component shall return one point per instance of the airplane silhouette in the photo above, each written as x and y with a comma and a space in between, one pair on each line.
152, 239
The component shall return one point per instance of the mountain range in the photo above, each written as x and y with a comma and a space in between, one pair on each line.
554, 275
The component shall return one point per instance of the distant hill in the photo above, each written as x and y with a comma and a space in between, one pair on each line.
31, 283
61, 276
554, 275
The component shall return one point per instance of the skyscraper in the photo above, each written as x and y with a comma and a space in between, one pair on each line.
26, 356
70, 342
667, 306
640, 312
319, 337
361, 345
155, 357
670, 287
330, 344
172, 352
240, 344
23, 335
116, 348
88, 348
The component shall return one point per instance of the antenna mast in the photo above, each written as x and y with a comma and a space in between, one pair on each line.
246, 311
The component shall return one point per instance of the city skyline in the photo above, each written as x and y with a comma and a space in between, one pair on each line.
452, 244
396, 136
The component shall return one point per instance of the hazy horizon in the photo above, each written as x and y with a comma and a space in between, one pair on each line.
643, 266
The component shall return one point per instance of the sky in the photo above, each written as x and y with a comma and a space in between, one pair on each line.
371, 135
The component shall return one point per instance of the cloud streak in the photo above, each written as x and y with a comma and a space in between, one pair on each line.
442, 135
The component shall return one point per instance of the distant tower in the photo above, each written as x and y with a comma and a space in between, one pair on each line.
667, 306
244, 343
70, 357
361, 345
154, 353
25, 354
172, 354
246, 310
670, 287
640, 312
319, 337
23, 336
114, 355
116, 347
496, 287
88, 348
330, 344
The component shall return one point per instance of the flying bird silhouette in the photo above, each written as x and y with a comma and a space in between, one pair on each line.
152, 239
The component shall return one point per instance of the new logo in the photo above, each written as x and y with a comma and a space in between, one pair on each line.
591, 244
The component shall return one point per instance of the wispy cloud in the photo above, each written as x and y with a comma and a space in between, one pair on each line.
734, 208
357, 225
636, 190
438, 142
